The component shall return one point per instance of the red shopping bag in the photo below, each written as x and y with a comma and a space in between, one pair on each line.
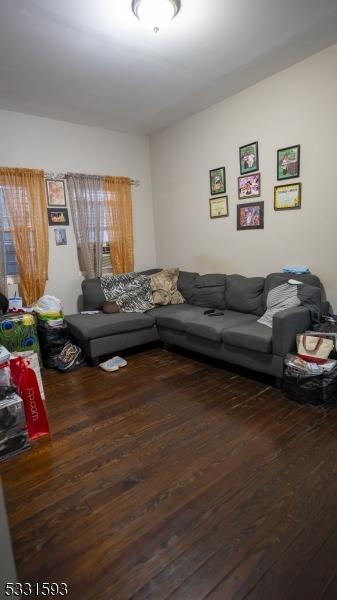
26, 382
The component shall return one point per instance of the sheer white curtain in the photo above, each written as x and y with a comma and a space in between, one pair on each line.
3, 268
86, 198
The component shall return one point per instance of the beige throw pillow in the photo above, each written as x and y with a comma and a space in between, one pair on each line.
164, 287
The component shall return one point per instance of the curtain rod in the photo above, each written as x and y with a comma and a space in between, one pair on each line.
134, 182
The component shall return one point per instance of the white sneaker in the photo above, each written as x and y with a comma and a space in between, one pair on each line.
113, 364
118, 360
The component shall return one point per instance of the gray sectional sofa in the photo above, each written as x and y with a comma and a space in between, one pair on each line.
235, 337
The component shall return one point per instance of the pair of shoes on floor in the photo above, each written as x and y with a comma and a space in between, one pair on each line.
69, 358
113, 364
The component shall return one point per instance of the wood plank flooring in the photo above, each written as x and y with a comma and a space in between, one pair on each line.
177, 477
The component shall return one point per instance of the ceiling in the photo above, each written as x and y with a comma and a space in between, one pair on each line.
92, 61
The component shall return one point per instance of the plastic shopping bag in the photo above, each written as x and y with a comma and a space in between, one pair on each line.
24, 378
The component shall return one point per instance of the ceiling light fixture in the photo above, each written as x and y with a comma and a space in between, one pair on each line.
155, 13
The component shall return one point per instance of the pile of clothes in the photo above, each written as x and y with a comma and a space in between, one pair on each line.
56, 348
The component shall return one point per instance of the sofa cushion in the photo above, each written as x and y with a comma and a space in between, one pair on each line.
251, 336
210, 280
212, 328
176, 316
93, 295
209, 290
164, 287
244, 294
186, 283
310, 296
274, 279
88, 327
279, 298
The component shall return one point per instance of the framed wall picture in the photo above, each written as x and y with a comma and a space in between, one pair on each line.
58, 216
218, 207
249, 158
249, 186
288, 162
250, 216
60, 236
217, 180
55, 192
287, 197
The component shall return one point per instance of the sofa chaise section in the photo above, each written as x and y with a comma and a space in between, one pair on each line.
100, 334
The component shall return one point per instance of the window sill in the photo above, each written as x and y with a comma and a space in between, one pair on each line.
13, 279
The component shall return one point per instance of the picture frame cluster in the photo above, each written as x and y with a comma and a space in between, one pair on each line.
218, 207
250, 215
288, 196
58, 216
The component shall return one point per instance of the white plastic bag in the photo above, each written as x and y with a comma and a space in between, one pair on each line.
47, 304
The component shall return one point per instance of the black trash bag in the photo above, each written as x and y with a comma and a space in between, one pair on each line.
52, 340
4, 304
316, 390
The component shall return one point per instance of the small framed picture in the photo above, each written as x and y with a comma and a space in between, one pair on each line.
55, 192
249, 186
249, 158
288, 162
217, 180
58, 216
287, 197
60, 236
250, 216
218, 207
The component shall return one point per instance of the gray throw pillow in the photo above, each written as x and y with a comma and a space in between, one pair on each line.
244, 294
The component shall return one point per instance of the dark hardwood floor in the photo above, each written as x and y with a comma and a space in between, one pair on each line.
177, 478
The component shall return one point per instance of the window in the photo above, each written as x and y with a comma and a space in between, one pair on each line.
100, 197
106, 260
12, 267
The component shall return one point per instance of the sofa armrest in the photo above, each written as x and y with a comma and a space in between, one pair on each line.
286, 324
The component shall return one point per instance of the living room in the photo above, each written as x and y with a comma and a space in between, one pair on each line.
188, 473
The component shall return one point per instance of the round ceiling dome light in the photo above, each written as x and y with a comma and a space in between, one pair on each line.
155, 13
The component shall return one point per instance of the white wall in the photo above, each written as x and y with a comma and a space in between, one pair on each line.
296, 106
35, 142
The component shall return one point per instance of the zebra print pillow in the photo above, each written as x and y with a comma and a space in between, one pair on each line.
131, 291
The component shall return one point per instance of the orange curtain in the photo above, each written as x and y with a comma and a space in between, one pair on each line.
24, 193
118, 216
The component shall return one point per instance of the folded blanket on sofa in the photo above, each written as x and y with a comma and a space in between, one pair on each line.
290, 294
131, 291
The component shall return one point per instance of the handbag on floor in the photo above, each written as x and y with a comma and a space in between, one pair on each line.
313, 348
